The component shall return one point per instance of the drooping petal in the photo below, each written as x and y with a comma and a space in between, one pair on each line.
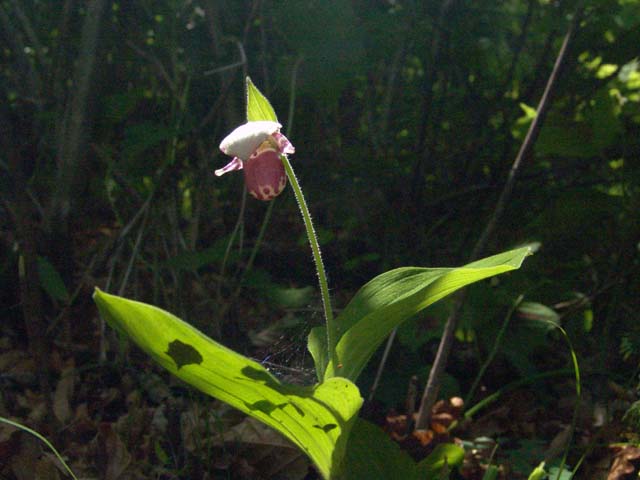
264, 175
284, 145
245, 139
235, 164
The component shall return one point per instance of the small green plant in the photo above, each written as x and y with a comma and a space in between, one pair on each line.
43, 440
322, 420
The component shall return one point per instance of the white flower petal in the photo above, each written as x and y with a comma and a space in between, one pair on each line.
245, 139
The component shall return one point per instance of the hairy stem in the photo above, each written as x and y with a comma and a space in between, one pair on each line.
317, 259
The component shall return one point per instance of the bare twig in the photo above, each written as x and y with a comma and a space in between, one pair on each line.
383, 362
157, 64
134, 253
431, 390
240, 63
292, 95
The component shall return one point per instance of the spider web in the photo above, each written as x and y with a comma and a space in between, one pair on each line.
282, 347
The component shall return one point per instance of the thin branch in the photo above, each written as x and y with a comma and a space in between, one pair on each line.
153, 60
529, 140
292, 96
240, 63
383, 362
75, 123
431, 390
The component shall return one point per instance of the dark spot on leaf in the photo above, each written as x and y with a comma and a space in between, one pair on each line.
264, 406
326, 428
298, 409
183, 354
260, 376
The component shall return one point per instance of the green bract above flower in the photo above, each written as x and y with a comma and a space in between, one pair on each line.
256, 148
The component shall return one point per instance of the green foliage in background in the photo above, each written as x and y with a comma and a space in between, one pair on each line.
408, 115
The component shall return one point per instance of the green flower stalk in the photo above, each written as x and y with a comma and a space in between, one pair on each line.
260, 150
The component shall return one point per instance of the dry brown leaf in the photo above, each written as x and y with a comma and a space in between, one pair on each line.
9, 359
625, 462
45, 469
19, 366
251, 431
6, 430
114, 453
82, 423
425, 437
441, 421
62, 395
396, 426
23, 464
558, 443
36, 405
270, 454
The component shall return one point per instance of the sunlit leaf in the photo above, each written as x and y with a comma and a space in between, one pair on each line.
316, 418
538, 473
606, 70
391, 298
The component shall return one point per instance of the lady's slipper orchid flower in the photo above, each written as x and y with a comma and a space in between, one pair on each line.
256, 148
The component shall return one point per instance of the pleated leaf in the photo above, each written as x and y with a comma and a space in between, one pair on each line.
317, 418
393, 297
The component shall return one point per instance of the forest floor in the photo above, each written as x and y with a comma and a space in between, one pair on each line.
126, 419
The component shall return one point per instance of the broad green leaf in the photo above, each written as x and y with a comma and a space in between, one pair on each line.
391, 298
317, 346
373, 455
317, 418
51, 280
258, 107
